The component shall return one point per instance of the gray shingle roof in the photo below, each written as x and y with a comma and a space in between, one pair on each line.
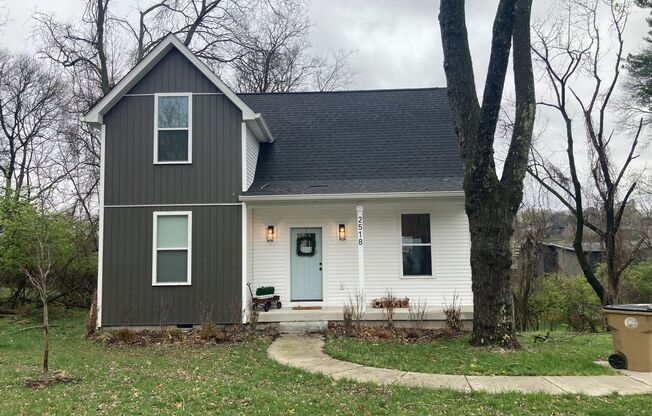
357, 142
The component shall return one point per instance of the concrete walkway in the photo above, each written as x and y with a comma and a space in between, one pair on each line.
307, 352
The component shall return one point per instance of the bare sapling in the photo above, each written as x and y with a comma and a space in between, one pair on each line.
357, 301
39, 279
389, 304
417, 314
91, 322
347, 318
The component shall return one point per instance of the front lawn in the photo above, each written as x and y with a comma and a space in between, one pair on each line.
228, 379
562, 353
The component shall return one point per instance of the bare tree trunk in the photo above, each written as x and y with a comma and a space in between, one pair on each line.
46, 338
101, 55
491, 203
528, 258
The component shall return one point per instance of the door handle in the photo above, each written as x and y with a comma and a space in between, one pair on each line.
320, 265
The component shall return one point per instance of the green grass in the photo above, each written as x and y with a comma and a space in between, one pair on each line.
563, 354
229, 379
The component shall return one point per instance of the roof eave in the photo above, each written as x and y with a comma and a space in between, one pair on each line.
260, 128
348, 196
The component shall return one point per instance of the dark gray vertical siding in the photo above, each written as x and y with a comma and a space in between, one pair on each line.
128, 294
131, 178
174, 73
214, 175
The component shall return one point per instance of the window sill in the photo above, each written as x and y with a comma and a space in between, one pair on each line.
188, 162
172, 284
416, 277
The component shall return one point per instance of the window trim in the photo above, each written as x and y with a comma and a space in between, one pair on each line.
155, 249
156, 128
400, 246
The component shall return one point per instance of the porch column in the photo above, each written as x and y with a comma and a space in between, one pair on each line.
360, 238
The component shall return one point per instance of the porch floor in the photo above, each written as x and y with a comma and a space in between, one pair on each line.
334, 313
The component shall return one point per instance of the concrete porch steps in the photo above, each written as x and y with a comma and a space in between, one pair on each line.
302, 327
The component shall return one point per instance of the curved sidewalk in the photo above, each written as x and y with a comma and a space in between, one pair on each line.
307, 352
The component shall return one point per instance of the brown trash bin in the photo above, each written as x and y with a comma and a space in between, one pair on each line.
631, 329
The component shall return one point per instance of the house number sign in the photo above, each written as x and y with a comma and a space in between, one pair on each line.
360, 228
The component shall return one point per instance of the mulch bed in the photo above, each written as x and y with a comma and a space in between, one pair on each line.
407, 335
209, 334
58, 377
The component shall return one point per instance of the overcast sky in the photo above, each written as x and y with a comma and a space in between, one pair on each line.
396, 42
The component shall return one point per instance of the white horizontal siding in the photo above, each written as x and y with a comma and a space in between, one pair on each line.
252, 158
450, 252
270, 262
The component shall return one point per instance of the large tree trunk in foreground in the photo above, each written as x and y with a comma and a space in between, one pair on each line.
491, 203
491, 231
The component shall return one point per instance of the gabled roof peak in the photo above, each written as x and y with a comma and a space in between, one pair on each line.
95, 115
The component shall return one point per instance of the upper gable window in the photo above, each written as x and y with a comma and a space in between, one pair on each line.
172, 128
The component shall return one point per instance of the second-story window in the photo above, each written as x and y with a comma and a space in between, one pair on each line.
172, 128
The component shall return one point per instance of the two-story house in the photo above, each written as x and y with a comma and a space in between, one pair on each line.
320, 195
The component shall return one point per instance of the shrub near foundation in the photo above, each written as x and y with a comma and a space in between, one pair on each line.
210, 332
122, 335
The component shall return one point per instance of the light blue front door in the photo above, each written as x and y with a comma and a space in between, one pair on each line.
306, 269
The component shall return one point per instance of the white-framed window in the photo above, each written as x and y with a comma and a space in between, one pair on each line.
172, 253
416, 245
172, 128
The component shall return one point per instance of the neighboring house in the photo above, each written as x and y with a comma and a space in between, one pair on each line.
560, 258
317, 194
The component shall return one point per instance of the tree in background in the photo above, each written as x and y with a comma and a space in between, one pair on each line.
14, 246
91, 54
39, 244
639, 82
569, 50
33, 101
274, 54
491, 202
208, 28
532, 226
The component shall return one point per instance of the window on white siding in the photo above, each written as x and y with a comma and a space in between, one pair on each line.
416, 245
172, 248
172, 128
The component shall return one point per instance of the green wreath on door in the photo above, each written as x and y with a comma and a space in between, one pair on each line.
306, 241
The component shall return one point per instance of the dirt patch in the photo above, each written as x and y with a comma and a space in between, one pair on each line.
209, 334
58, 377
407, 335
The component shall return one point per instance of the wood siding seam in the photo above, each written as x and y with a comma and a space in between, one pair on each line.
153, 94
218, 204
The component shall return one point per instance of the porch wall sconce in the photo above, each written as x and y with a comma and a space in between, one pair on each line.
270, 233
341, 232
